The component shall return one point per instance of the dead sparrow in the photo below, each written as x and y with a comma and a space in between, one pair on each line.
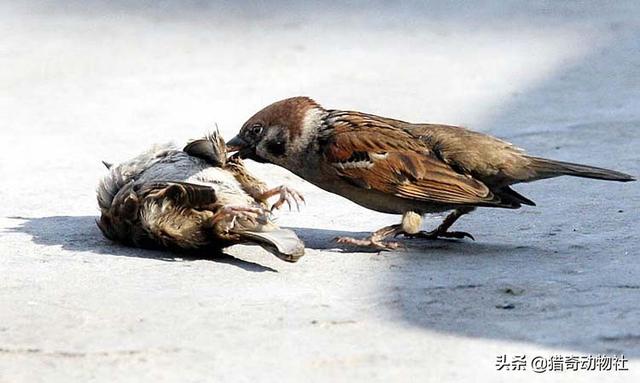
397, 167
192, 198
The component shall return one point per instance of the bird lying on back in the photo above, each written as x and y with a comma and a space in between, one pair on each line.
192, 198
397, 167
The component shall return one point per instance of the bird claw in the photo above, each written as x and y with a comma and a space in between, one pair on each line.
287, 195
234, 213
435, 234
369, 242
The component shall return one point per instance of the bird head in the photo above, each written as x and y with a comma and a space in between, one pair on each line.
279, 133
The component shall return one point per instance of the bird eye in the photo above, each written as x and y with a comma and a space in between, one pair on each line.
256, 129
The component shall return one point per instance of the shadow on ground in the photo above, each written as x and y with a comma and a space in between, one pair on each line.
567, 271
323, 239
80, 233
563, 274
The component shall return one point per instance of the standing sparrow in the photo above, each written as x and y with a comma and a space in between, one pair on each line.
396, 167
192, 198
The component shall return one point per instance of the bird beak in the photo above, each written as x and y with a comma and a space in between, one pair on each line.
236, 144
242, 149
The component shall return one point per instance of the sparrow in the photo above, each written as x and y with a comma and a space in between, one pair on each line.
397, 167
193, 198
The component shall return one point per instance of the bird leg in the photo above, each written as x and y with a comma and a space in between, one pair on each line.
442, 230
411, 222
286, 194
376, 239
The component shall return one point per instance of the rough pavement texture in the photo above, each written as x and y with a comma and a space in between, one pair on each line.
83, 81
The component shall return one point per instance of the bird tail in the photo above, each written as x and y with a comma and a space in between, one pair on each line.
546, 168
283, 243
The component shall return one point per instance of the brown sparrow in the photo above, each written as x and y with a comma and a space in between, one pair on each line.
397, 167
190, 199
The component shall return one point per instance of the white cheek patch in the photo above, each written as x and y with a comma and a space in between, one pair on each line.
310, 125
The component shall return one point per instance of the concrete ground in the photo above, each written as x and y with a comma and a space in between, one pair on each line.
84, 81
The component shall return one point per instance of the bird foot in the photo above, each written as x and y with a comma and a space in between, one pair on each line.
233, 213
286, 194
369, 242
436, 234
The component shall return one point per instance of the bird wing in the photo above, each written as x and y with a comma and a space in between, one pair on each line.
147, 214
185, 194
373, 154
492, 160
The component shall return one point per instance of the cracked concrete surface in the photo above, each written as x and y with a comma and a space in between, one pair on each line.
88, 81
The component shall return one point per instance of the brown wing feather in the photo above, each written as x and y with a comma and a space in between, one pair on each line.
491, 160
397, 163
181, 193
161, 213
